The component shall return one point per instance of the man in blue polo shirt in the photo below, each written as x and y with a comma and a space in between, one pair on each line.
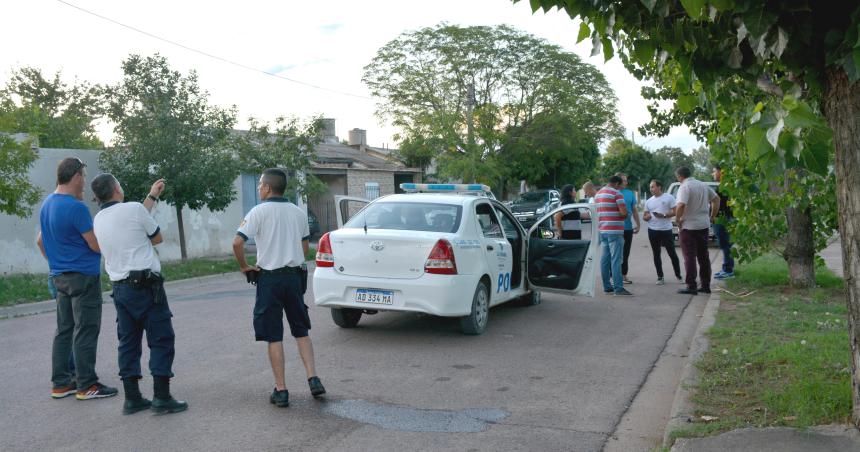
68, 242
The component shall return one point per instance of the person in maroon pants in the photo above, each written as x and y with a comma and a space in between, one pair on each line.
697, 205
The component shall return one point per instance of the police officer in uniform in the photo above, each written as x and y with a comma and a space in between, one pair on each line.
281, 231
127, 233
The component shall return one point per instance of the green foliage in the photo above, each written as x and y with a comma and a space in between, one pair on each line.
550, 152
56, 114
17, 194
746, 76
289, 144
165, 128
522, 86
642, 165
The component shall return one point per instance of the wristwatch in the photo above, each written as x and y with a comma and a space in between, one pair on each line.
152, 198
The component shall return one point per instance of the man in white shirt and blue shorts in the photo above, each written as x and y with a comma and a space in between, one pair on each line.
281, 231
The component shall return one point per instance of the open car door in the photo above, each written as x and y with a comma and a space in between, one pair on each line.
563, 261
346, 207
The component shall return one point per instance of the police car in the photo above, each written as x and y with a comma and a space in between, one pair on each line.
448, 250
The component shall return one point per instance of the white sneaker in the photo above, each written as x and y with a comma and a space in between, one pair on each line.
660, 281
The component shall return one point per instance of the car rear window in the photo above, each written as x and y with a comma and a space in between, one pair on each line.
408, 217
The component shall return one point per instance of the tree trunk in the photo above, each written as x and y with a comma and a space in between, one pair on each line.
799, 248
181, 232
842, 109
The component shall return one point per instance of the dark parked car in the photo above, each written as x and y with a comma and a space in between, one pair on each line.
532, 205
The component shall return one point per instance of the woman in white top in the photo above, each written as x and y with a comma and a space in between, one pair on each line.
659, 209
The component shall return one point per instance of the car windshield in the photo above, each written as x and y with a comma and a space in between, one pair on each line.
535, 196
408, 217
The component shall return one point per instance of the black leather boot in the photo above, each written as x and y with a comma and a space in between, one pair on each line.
162, 401
134, 401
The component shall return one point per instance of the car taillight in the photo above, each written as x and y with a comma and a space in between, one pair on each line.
441, 260
324, 256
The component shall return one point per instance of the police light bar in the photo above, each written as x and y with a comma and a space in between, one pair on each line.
447, 188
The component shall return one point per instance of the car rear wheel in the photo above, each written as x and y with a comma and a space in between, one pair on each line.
476, 322
345, 317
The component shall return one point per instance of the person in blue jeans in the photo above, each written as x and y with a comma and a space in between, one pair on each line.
612, 247
611, 212
724, 216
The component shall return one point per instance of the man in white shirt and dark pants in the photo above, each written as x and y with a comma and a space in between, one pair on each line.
281, 231
126, 233
696, 208
659, 209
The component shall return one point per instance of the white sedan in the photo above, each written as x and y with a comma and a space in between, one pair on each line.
448, 250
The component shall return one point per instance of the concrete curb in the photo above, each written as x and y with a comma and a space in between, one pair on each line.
682, 406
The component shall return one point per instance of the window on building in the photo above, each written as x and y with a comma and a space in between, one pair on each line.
371, 190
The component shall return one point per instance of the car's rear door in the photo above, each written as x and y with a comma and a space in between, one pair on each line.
562, 266
497, 251
346, 207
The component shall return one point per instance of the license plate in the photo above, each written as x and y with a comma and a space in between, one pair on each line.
374, 296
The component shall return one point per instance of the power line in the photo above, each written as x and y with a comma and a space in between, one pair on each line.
216, 57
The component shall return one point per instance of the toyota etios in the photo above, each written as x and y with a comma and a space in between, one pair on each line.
449, 250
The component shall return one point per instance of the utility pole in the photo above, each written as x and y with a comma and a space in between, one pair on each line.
470, 123
470, 105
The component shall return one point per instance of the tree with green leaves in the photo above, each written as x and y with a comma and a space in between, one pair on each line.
165, 128
782, 75
287, 143
17, 194
702, 165
478, 97
56, 114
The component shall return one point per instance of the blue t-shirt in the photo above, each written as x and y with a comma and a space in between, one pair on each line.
63, 219
629, 201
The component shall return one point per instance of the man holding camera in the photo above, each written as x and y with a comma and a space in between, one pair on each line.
126, 233
281, 232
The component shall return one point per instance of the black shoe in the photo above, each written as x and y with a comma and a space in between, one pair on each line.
688, 291
316, 386
280, 398
131, 406
163, 402
622, 292
705, 289
168, 405
134, 401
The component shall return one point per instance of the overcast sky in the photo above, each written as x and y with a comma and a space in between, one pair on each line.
321, 43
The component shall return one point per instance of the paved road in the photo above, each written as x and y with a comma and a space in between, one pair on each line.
558, 376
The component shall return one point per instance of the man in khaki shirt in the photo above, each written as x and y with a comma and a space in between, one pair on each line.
697, 206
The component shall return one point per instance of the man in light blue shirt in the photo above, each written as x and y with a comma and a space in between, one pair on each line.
629, 229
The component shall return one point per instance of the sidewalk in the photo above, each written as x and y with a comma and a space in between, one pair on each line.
829, 438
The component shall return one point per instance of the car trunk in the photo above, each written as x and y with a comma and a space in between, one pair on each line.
382, 253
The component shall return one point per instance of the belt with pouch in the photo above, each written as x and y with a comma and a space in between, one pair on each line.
145, 278
282, 270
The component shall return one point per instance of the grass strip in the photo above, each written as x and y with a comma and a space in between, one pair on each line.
29, 288
777, 357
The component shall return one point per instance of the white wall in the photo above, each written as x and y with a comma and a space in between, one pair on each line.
206, 233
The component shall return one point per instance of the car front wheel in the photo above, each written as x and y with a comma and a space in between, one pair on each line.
476, 322
345, 317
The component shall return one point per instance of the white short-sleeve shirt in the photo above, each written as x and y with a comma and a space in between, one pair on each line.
278, 227
696, 197
662, 204
124, 231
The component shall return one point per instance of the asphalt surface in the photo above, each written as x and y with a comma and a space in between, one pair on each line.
557, 376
